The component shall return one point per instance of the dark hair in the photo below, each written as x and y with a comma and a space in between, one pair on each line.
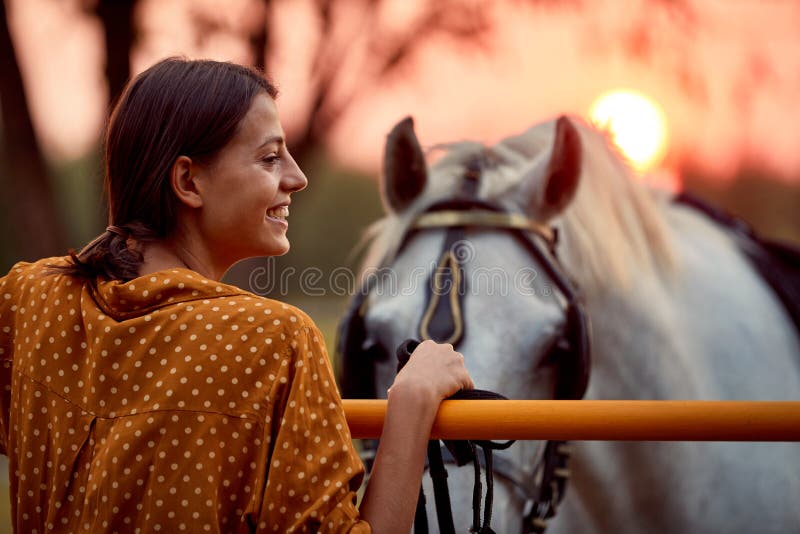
175, 108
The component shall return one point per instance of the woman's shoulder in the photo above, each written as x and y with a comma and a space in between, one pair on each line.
269, 310
256, 324
25, 268
239, 304
24, 271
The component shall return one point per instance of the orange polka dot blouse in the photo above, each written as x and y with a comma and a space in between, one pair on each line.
168, 403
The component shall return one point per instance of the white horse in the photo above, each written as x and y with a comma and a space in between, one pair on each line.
676, 312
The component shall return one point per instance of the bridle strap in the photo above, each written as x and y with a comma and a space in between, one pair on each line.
555, 475
441, 493
482, 219
484, 527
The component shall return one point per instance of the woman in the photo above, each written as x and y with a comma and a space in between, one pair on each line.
143, 394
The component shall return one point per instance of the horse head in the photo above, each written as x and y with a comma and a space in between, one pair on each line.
431, 281
468, 243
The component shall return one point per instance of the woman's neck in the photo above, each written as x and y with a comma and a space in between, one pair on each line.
161, 255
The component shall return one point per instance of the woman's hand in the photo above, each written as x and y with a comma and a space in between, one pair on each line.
434, 372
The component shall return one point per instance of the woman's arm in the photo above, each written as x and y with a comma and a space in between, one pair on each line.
434, 372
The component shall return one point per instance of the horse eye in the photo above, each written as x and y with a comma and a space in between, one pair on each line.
555, 352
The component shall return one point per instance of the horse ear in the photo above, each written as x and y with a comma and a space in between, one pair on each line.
404, 172
564, 169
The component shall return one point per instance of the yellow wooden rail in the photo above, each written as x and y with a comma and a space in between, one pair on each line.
597, 420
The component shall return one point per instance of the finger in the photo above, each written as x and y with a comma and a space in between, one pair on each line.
467, 381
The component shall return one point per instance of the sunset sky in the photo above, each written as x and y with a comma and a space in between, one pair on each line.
728, 82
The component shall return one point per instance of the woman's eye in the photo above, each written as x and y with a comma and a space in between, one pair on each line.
272, 159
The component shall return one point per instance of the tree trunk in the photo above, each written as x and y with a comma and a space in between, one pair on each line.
259, 39
31, 209
120, 36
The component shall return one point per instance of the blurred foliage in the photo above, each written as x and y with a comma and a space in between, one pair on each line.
78, 189
354, 48
770, 206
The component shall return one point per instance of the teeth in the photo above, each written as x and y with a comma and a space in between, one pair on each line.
278, 213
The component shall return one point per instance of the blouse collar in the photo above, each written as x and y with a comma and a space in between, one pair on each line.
156, 290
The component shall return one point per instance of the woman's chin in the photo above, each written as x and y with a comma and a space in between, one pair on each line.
278, 248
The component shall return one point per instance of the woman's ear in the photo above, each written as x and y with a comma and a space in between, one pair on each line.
183, 180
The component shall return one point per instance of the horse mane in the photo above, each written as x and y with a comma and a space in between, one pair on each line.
612, 231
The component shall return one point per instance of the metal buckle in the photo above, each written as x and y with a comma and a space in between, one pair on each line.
536, 514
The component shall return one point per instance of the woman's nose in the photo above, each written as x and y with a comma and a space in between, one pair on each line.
294, 179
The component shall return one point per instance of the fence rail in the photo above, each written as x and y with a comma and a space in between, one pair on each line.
597, 420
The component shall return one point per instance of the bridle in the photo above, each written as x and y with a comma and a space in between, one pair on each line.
442, 321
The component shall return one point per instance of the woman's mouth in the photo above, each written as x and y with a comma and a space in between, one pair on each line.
278, 214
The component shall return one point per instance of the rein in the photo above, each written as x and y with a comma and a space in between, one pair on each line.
460, 453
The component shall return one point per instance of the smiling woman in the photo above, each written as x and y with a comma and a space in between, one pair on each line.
140, 392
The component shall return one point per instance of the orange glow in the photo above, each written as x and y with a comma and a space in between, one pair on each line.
636, 124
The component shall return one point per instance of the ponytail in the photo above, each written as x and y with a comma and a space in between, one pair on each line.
115, 254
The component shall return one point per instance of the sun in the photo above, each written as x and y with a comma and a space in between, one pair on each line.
636, 123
